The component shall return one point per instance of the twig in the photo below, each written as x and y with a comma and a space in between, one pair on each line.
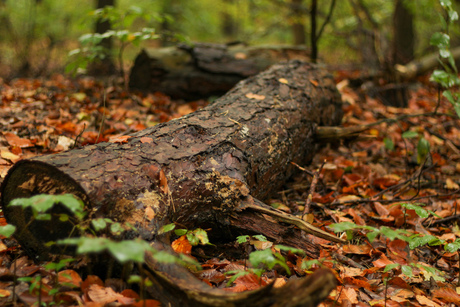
349, 261
314, 182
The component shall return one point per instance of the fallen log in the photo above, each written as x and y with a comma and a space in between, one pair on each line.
422, 65
202, 70
210, 168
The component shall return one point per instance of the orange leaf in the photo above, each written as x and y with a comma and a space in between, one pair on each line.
163, 182
15, 140
382, 262
119, 139
70, 277
182, 245
357, 249
447, 295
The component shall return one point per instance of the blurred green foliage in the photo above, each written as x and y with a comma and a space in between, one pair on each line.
39, 32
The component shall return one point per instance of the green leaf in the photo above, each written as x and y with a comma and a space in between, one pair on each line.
409, 134
237, 274
261, 238
423, 240
242, 239
180, 232
116, 228
453, 247
165, 257
129, 250
7, 230
290, 249
262, 257
423, 149
418, 210
99, 224
389, 144
390, 267
372, 235
167, 228
440, 40
406, 270
444, 78
343, 226
201, 235
134, 279
309, 263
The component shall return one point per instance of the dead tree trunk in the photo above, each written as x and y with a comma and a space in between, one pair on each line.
208, 168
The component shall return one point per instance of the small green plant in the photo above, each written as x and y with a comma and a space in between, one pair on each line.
265, 259
124, 251
429, 272
447, 77
120, 22
195, 237
414, 240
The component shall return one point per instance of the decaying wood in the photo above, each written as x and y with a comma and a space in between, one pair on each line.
424, 64
178, 287
208, 169
204, 70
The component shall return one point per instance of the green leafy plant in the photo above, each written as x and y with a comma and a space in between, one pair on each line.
195, 237
120, 23
447, 77
414, 240
263, 260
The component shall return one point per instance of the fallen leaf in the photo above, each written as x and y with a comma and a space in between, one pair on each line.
182, 245
119, 139
70, 277
146, 139
15, 140
255, 96
451, 185
283, 80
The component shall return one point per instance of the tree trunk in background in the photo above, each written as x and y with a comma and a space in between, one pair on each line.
229, 26
313, 40
106, 65
298, 26
171, 12
404, 34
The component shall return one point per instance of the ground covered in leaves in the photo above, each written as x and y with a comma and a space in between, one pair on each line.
392, 192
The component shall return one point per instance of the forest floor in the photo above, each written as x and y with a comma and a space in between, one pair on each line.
392, 191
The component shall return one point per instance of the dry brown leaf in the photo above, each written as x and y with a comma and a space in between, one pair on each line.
146, 139
14, 140
70, 277
120, 139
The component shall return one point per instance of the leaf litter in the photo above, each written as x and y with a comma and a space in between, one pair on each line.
397, 207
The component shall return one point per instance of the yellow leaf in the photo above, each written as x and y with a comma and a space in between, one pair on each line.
282, 80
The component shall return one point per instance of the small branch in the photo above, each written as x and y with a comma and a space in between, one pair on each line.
314, 182
326, 21
258, 206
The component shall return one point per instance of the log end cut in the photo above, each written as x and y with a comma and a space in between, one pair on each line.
26, 179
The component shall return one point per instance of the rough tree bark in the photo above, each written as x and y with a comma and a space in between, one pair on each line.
208, 169
204, 70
